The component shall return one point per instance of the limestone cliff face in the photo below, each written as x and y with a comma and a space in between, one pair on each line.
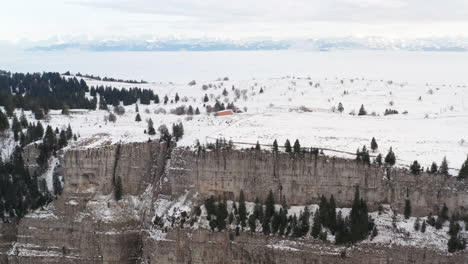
302, 179
201, 246
86, 224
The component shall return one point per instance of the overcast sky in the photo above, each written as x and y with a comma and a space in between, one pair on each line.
239, 19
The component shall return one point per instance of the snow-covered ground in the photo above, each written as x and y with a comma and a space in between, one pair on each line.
435, 125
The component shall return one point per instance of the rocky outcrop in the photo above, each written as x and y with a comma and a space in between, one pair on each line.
202, 246
302, 179
86, 225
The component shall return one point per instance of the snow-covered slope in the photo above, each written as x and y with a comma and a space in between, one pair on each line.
293, 108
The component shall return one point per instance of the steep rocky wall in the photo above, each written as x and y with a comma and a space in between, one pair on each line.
302, 179
86, 224
197, 247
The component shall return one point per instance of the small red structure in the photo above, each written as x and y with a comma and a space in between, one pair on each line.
224, 113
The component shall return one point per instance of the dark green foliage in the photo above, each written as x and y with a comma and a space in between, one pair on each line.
297, 146
316, 225
283, 218
423, 227
4, 124
197, 111
275, 222
178, 131
151, 130
287, 146
362, 111
252, 223
303, 225
434, 168
417, 224
221, 215
374, 145
57, 185
176, 99
444, 213
275, 145
390, 159
340, 107
138, 118
415, 168
463, 173
23, 120
378, 159
257, 146
118, 189
269, 206
258, 212
63, 141
407, 210
242, 209
210, 205
443, 169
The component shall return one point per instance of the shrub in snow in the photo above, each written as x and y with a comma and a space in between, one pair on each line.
192, 83
160, 110
119, 110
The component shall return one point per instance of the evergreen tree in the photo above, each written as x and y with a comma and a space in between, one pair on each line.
275, 145
258, 210
390, 158
252, 223
359, 220
340, 107
23, 120
378, 159
417, 224
374, 145
118, 189
434, 168
221, 215
297, 146
443, 169
69, 132
176, 97
190, 110
210, 206
444, 213
463, 173
316, 225
269, 205
151, 130
415, 168
407, 210
257, 146
62, 142
362, 111
57, 185
242, 209
423, 227
331, 219
304, 224
4, 124
287, 146
138, 117
205, 98
38, 131
197, 111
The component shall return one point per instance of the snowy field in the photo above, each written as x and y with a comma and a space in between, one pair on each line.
300, 108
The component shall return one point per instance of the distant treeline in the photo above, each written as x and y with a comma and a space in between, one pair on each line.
106, 79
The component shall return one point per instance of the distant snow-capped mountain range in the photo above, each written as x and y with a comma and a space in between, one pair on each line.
314, 44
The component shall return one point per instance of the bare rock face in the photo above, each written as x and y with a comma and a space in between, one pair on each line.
86, 224
202, 246
302, 179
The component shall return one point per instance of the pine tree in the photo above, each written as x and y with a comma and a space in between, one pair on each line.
4, 124
287, 146
69, 132
444, 213
378, 159
137, 110
415, 168
138, 117
374, 145
269, 205
176, 97
242, 209
316, 226
463, 173
297, 146
340, 107
362, 111
197, 111
423, 227
252, 223
434, 168
390, 158
151, 130
205, 99
23, 120
257, 146
417, 224
221, 215
62, 142
57, 185
275, 145
407, 210
443, 169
